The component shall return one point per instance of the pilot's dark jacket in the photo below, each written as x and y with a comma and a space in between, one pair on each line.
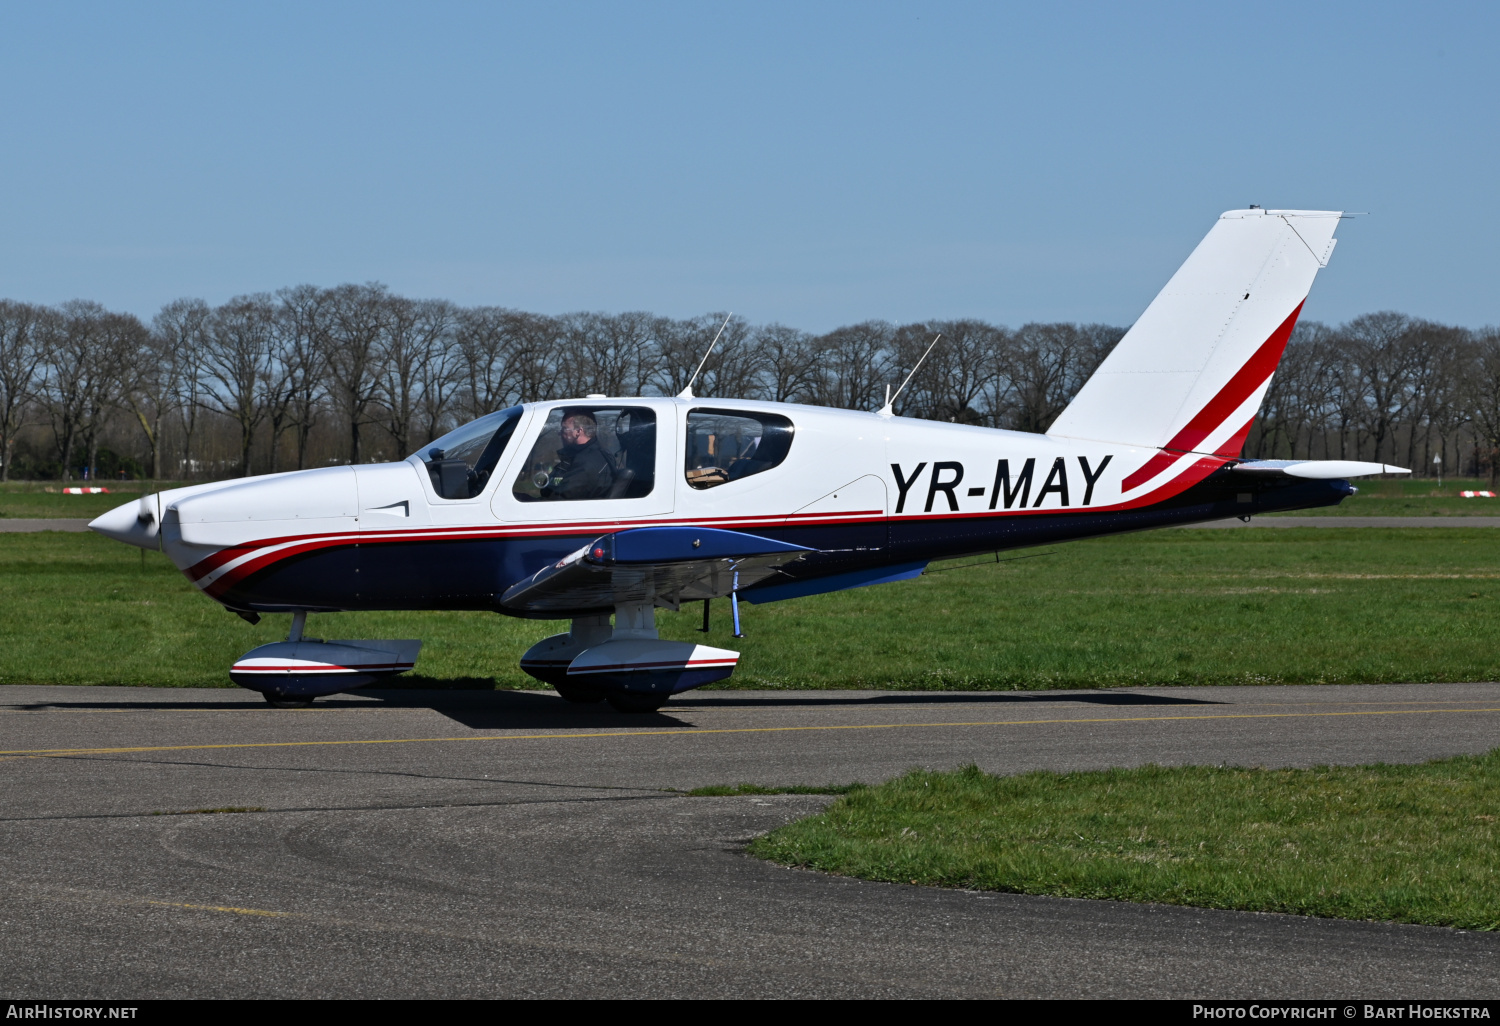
583, 472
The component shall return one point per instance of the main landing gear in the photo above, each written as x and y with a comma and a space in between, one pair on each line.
625, 664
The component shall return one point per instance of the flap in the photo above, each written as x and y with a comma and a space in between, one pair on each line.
663, 566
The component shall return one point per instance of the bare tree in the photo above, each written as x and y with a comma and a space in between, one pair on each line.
731, 369
302, 340
1482, 392
1447, 410
181, 333
788, 364
416, 334
533, 342
279, 391
608, 354
440, 376
679, 347
154, 388
487, 360
734, 367
957, 371
21, 358
358, 318
855, 364
80, 375
1443, 351
1383, 353
1042, 367
238, 362
122, 341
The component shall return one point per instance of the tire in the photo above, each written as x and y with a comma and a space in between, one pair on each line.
577, 693
636, 702
287, 701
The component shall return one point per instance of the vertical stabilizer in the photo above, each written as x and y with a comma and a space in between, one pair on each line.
1190, 374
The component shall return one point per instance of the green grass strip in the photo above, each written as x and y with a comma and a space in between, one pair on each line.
730, 790
1405, 844
1299, 606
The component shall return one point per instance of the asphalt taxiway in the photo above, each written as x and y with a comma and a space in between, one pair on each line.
508, 844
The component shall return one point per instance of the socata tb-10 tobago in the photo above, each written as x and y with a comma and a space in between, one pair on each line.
614, 507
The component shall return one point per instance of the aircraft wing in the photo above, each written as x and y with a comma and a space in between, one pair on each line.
1315, 470
663, 566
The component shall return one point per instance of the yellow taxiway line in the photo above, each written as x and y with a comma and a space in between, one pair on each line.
605, 734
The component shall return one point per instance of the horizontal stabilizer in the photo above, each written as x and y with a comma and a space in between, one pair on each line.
1316, 470
662, 566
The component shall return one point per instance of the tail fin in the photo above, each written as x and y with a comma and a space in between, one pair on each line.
1190, 375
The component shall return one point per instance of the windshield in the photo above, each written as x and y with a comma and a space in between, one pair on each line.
461, 461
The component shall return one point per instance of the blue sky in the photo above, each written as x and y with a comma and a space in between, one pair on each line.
815, 164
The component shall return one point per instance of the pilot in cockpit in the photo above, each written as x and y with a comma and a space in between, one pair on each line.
583, 469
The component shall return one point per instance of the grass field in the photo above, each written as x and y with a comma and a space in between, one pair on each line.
1408, 844
1376, 498
46, 498
1405, 497
1167, 607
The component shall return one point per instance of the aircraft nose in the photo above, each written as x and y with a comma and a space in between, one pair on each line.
134, 523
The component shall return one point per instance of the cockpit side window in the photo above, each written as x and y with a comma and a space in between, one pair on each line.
460, 463
591, 452
727, 445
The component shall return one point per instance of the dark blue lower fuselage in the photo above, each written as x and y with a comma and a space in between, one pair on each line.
473, 573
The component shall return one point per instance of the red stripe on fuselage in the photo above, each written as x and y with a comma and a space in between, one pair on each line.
1185, 479
208, 564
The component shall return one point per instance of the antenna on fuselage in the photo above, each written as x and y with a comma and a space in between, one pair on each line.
888, 410
687, 393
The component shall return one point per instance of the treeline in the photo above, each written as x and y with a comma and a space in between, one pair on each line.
310, 376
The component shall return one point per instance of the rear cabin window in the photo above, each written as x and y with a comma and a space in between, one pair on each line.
591, 452
725, 445
460, 463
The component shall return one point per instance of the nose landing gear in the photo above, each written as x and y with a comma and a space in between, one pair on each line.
291, 673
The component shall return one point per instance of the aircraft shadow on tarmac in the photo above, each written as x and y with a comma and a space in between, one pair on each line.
492, 710
540, 710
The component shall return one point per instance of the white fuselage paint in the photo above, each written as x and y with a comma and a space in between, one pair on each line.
843, 466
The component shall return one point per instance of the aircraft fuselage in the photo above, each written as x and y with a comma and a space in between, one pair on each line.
868, 492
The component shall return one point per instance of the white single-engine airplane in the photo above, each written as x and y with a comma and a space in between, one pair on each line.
614, 507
